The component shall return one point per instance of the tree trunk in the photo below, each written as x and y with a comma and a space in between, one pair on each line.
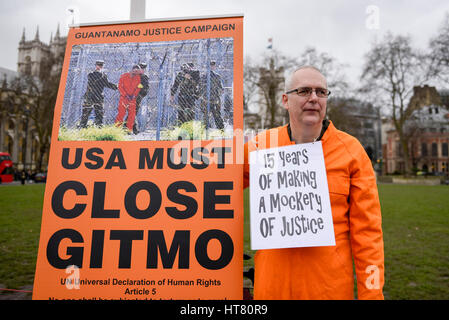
404, 144
40, 159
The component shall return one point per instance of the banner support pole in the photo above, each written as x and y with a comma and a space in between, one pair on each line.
137, 10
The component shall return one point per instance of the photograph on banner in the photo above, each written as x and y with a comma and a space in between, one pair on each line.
289, 198
168, 90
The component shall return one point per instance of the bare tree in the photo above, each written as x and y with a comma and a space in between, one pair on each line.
268, 77
250, 80
43, 91
333, 70
270, 82
343, 112
342, 106
439, 52
392, 68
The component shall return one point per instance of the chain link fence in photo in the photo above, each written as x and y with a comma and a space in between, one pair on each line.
149, 89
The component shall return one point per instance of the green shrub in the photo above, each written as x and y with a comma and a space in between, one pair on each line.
192, 130
105, 133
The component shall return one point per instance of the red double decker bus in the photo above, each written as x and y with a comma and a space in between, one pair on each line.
6, 170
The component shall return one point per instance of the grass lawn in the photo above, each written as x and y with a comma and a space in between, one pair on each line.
416, 240
415, 225
20, 222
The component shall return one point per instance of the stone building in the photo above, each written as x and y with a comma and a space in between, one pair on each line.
270, 88
360, 119
31, 53
428, 129
17, 130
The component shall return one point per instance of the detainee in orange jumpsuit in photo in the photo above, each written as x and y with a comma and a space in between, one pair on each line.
129, 86
325, 272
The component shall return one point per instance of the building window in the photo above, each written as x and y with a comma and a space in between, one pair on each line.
434, 150
28, 65
368, 125
401, 167
398, 149
444, 149
424, 149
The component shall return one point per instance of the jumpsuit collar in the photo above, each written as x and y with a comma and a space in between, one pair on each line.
326, 124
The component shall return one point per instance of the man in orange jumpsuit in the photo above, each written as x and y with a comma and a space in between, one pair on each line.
325, 272
129, 86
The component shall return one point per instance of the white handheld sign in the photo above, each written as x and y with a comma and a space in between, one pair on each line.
289, 198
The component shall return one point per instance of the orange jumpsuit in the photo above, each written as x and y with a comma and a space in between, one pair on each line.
128, 87
327, 272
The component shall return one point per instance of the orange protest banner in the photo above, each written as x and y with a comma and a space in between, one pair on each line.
144, 192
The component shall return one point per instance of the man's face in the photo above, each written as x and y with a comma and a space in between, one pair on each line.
308, 110
98, 67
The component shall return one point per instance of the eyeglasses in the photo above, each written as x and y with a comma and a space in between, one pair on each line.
306, 92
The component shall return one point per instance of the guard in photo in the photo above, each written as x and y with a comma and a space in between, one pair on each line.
93, 98
186, 85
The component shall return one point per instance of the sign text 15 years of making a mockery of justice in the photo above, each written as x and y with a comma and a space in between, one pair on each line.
289, 198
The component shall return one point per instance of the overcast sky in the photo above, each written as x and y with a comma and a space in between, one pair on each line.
343, 28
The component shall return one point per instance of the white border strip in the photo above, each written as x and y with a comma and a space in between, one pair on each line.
154, 20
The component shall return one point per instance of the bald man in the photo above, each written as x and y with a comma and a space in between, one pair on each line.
325, 272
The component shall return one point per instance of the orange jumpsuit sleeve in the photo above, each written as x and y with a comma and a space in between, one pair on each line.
366, 228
